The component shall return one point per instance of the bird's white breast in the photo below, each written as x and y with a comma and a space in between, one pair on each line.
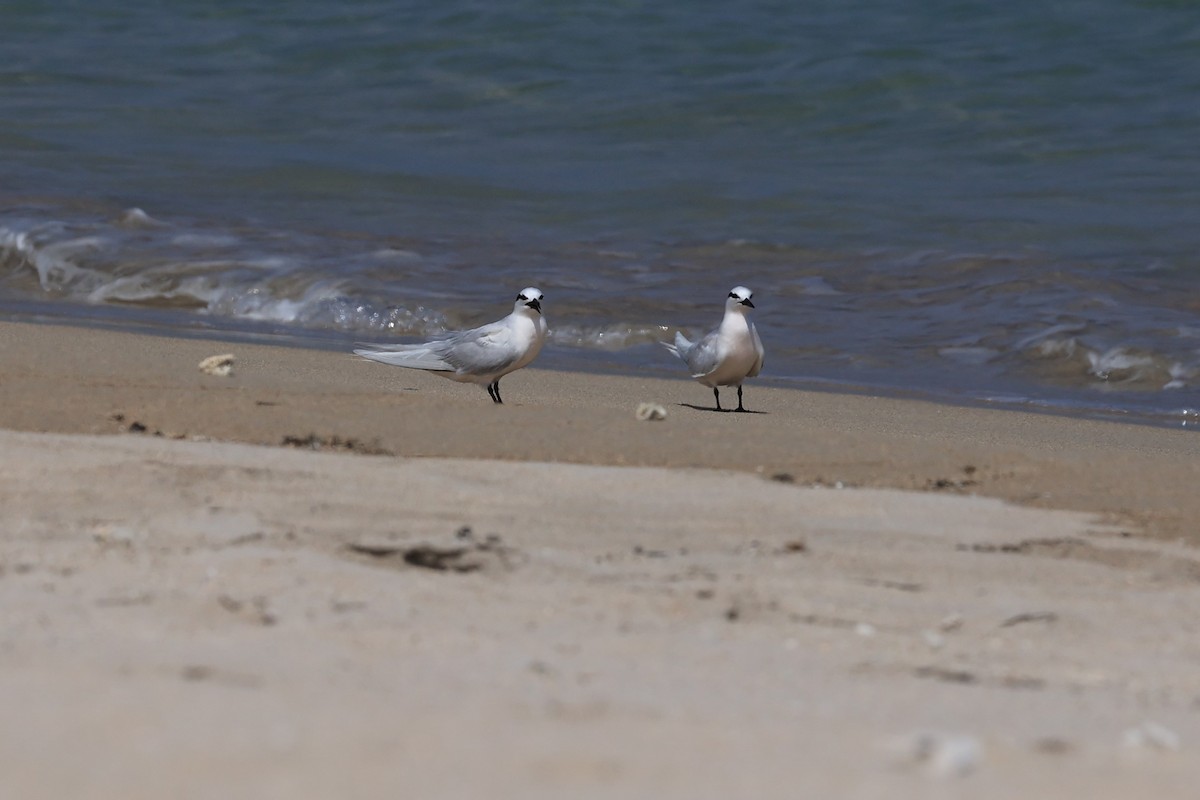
736, 352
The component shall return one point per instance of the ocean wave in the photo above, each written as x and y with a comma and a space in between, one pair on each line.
218, 274
1123, 367
983, 326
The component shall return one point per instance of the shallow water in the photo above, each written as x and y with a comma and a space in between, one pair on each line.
981, 203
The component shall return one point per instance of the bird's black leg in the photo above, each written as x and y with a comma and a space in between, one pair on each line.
717, 395
496, 388
740, 407
491, 387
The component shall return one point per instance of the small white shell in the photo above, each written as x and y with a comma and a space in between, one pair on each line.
221, 365
650, 411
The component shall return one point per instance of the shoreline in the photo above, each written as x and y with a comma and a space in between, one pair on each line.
66, 379
605, 365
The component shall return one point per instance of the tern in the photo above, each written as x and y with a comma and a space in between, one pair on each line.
727, 355
481, 355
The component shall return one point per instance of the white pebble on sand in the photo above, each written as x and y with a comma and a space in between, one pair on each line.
650, 411
221, 365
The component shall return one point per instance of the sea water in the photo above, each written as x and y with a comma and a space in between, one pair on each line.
994, 202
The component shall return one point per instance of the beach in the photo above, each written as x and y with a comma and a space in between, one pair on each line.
950, 552
319, 575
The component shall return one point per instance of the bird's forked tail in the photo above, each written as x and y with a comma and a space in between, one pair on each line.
680, 347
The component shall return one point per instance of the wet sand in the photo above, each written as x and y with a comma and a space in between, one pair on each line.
412, 590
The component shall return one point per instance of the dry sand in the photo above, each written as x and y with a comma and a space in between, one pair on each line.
658, 609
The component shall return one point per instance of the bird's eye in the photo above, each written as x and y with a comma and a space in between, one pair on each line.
522, 297
734, 296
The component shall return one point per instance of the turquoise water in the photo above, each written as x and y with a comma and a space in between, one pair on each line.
988, 201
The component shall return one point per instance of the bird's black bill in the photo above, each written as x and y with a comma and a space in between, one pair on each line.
747, 302
536, 305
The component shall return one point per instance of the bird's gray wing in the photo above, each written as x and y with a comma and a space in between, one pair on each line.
758, 348
701, 357
481, 351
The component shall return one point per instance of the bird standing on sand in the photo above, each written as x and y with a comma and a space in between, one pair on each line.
727, 355
481, 355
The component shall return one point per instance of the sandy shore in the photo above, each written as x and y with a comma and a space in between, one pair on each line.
553, 599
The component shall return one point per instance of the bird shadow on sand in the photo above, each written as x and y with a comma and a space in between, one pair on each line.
721, 410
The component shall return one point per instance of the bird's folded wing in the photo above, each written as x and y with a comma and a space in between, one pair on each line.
483, 350
758, 348
702, 356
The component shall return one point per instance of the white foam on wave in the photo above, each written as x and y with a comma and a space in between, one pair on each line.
1048, 333
1119, 364
1181, 375
1106, 365
267, 287
1051, 348
260, 304
137, 218
55, 264
610, 338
